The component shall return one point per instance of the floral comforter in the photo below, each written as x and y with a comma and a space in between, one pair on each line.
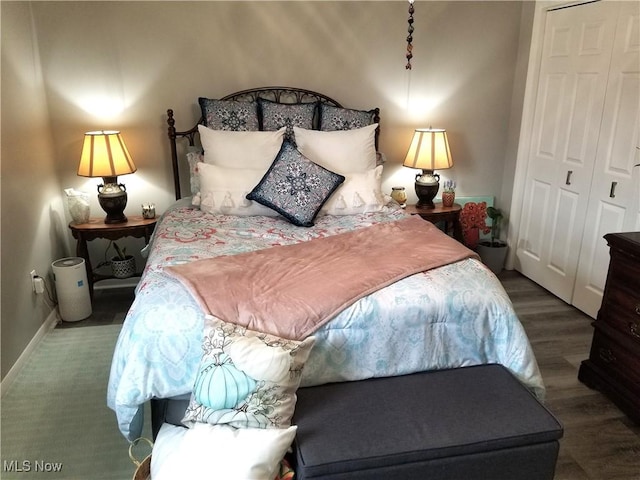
452, 316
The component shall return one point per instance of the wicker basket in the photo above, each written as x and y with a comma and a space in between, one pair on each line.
143, 470
123, 268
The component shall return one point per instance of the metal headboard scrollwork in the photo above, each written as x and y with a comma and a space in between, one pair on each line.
274, 94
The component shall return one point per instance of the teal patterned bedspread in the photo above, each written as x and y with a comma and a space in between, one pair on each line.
452, 316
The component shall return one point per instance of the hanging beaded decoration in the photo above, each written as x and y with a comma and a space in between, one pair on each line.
410, 36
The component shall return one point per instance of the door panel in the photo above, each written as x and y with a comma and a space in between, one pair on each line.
551, 105
583, 104
531, 243
566, 208
592, 272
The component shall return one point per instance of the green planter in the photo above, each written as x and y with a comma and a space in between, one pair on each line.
493, 255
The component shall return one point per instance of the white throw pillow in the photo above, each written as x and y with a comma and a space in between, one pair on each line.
240, 149
360, 193
194, 180
223, 190
341, 151
219, 451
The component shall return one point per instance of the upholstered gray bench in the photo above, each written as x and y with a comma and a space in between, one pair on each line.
467, 423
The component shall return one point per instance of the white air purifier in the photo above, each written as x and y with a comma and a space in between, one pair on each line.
72, 288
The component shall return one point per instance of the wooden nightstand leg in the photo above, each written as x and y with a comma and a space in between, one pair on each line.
447, 227
457, 231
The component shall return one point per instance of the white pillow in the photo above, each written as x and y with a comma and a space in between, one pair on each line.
240, 149
223, 190
360, 193
193, 158
166, 443
219, 451
341, 151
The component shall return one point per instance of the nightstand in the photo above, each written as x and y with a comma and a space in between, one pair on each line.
449, 215
135, 226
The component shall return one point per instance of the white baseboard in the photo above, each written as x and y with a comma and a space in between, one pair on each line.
48, 325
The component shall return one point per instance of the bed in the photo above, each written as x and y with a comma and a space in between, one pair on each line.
452, 315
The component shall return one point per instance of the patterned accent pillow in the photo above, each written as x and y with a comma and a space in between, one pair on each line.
229, 114
295, 187
277, 115
246, 379
336, 118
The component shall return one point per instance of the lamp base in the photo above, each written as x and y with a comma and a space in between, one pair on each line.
109, 219
426, 194
113, 200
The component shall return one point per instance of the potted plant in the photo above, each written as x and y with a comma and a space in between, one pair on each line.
122, 265
449, 193
493, 252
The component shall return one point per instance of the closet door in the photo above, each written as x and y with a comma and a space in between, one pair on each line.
614, 204
570, 96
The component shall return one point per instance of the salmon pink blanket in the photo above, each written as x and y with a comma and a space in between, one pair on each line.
293, 290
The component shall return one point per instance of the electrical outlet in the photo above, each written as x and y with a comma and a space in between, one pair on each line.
38, 285
33, 276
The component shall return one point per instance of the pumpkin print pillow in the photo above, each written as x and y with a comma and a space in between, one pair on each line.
246, 379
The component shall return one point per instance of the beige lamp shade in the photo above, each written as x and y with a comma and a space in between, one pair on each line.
104, 154
429, 150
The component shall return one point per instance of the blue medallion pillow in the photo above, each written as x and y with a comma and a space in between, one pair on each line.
229, 114
337, 118
277, 115
295, 187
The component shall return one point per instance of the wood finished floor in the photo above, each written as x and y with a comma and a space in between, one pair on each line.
599, 443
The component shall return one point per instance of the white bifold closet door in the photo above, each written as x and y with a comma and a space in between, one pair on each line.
614, 200
580, 180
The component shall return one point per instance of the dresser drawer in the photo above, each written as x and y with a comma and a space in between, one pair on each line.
621, 318
621, 303
619, 363
623, 278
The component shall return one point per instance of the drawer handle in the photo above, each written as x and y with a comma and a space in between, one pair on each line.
634, 328
568, 180
606, 355
612, 192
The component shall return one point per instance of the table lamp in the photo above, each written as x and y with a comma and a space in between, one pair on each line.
429, 151
105, 155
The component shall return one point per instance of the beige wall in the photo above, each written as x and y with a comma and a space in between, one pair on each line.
122, 64
31, 206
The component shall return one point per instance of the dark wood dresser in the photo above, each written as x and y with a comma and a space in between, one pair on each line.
613, 366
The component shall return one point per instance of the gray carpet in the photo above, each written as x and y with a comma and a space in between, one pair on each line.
55, 421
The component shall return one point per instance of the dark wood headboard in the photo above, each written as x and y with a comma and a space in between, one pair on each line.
275, 94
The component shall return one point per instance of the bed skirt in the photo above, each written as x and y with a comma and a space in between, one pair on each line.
168, 410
